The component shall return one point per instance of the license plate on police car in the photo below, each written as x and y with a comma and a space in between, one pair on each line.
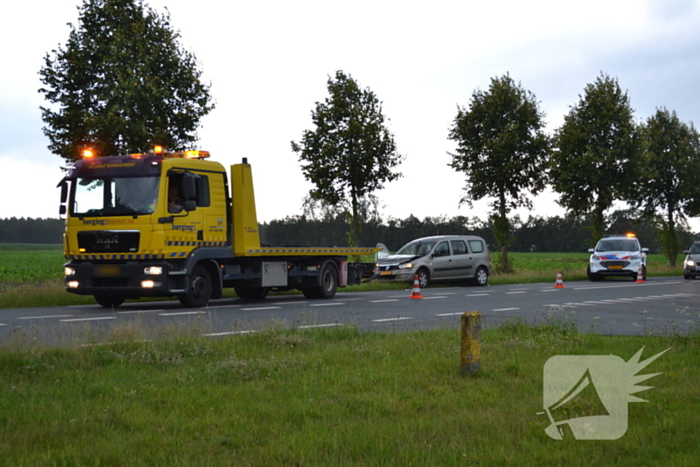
615, 267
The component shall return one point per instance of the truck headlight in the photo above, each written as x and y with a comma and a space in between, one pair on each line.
150, 284
68, 271
153, 271
406, 266
73, 284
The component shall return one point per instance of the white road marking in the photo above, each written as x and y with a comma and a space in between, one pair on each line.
328, 304
138, 311
387, 300
45, 316
513, 293
634, 284
87, 319
450, 314
261, 308
400, 318
180, 313
505, 309
311, 326
227, 333
289, 303
550, 290
223, 306
478, 295
433, 298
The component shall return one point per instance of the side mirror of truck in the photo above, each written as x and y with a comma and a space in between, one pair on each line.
62, 209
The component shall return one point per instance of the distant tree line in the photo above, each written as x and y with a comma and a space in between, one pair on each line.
536, 234
540, 234
28, 230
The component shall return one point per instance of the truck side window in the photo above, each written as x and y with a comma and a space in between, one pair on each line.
203, 191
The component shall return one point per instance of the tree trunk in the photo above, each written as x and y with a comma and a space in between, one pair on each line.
671, 237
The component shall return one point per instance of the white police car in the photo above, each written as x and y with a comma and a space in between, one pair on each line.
617, 255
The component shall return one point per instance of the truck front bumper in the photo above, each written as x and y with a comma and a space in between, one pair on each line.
129, 280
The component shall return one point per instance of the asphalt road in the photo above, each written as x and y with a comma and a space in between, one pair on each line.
660, 306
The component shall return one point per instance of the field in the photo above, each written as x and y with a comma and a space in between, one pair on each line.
32, 275
331, 397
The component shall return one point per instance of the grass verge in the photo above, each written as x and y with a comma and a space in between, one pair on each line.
329, 397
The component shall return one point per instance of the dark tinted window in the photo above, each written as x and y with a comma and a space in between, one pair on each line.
443, 249
459, 247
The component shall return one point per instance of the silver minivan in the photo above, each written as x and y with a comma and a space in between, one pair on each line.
437, 259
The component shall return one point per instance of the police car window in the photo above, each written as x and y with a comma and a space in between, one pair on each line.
477, 246
459, 247
443, 249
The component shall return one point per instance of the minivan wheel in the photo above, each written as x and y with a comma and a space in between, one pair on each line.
423, 278
481, 277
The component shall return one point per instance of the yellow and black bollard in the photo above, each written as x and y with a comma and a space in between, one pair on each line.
470, 355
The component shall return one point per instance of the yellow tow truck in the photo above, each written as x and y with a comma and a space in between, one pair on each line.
164, 224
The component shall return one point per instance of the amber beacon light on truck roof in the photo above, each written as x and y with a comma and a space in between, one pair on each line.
90, 153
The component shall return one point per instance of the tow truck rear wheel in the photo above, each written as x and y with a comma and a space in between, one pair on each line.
329, 283
109, 301
198, 288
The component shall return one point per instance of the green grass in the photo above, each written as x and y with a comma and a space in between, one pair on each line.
329, 397
32, 275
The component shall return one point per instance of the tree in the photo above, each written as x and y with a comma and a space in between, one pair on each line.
597, 153
503, 151
671, 177
121, 84
351, 153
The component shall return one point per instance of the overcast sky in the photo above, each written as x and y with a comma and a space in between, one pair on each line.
268, 63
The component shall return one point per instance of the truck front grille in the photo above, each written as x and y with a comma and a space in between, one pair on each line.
109, 241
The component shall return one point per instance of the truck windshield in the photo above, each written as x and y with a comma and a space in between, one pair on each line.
416, 248
115, 196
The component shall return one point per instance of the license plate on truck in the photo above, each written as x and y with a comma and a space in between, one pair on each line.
385, 273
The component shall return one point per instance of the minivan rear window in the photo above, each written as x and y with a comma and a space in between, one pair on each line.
477, 246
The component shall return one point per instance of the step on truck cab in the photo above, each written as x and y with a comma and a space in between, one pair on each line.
176, 224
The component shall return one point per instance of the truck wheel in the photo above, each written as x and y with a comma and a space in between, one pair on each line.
198, 288
109, 301
329, 284
255, 293
481, 277
423, 278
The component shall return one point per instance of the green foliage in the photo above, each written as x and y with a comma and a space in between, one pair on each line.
671, 174
598, 152
330, 397
502, 150
351, 153
121, 84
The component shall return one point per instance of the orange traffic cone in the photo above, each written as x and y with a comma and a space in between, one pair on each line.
559, 284
640, 275
416, 288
